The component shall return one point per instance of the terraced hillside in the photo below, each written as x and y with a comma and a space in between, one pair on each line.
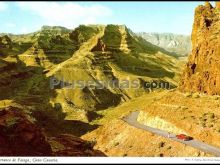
192, 109
111, 54
30, 63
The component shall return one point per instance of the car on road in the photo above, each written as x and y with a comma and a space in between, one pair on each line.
183, 137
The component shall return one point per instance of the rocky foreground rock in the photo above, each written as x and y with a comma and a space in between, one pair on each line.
202, 72
19, 136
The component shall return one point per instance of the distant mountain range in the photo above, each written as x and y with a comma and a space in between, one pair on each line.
178, 44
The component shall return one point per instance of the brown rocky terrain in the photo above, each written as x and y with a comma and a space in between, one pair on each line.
20, 136
117, 138
39, 120
202, 72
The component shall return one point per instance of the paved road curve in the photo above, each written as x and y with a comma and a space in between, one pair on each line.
131, 119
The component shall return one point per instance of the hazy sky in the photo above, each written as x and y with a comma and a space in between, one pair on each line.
23, 17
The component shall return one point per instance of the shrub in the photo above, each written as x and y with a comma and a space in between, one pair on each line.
203, 125
125, 155
210, 125
184, 108
161, 155
203, 119
212, 115
116, 143
161, 144
184, 117
169, 147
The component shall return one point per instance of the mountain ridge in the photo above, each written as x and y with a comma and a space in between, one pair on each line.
179, 44
108, 53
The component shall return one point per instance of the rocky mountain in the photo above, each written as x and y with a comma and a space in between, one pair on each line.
202, 72
179, 45
93, 52
37, 67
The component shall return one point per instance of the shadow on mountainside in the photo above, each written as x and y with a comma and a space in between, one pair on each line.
29, 87
117, 38
141, 68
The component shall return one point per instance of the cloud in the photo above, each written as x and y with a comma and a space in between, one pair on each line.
3, 6
67, 14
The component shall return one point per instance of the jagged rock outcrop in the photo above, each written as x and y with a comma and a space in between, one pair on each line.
202, 72
20, 136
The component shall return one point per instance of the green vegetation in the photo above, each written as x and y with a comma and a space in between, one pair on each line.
112, 37
116, 144
84, 33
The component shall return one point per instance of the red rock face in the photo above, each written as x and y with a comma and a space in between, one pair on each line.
20, 137
202, 72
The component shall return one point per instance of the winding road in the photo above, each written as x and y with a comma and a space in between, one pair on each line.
131, 119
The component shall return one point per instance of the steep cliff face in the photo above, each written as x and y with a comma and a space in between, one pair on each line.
202, 72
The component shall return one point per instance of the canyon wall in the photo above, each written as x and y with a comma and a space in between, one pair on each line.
202, 71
